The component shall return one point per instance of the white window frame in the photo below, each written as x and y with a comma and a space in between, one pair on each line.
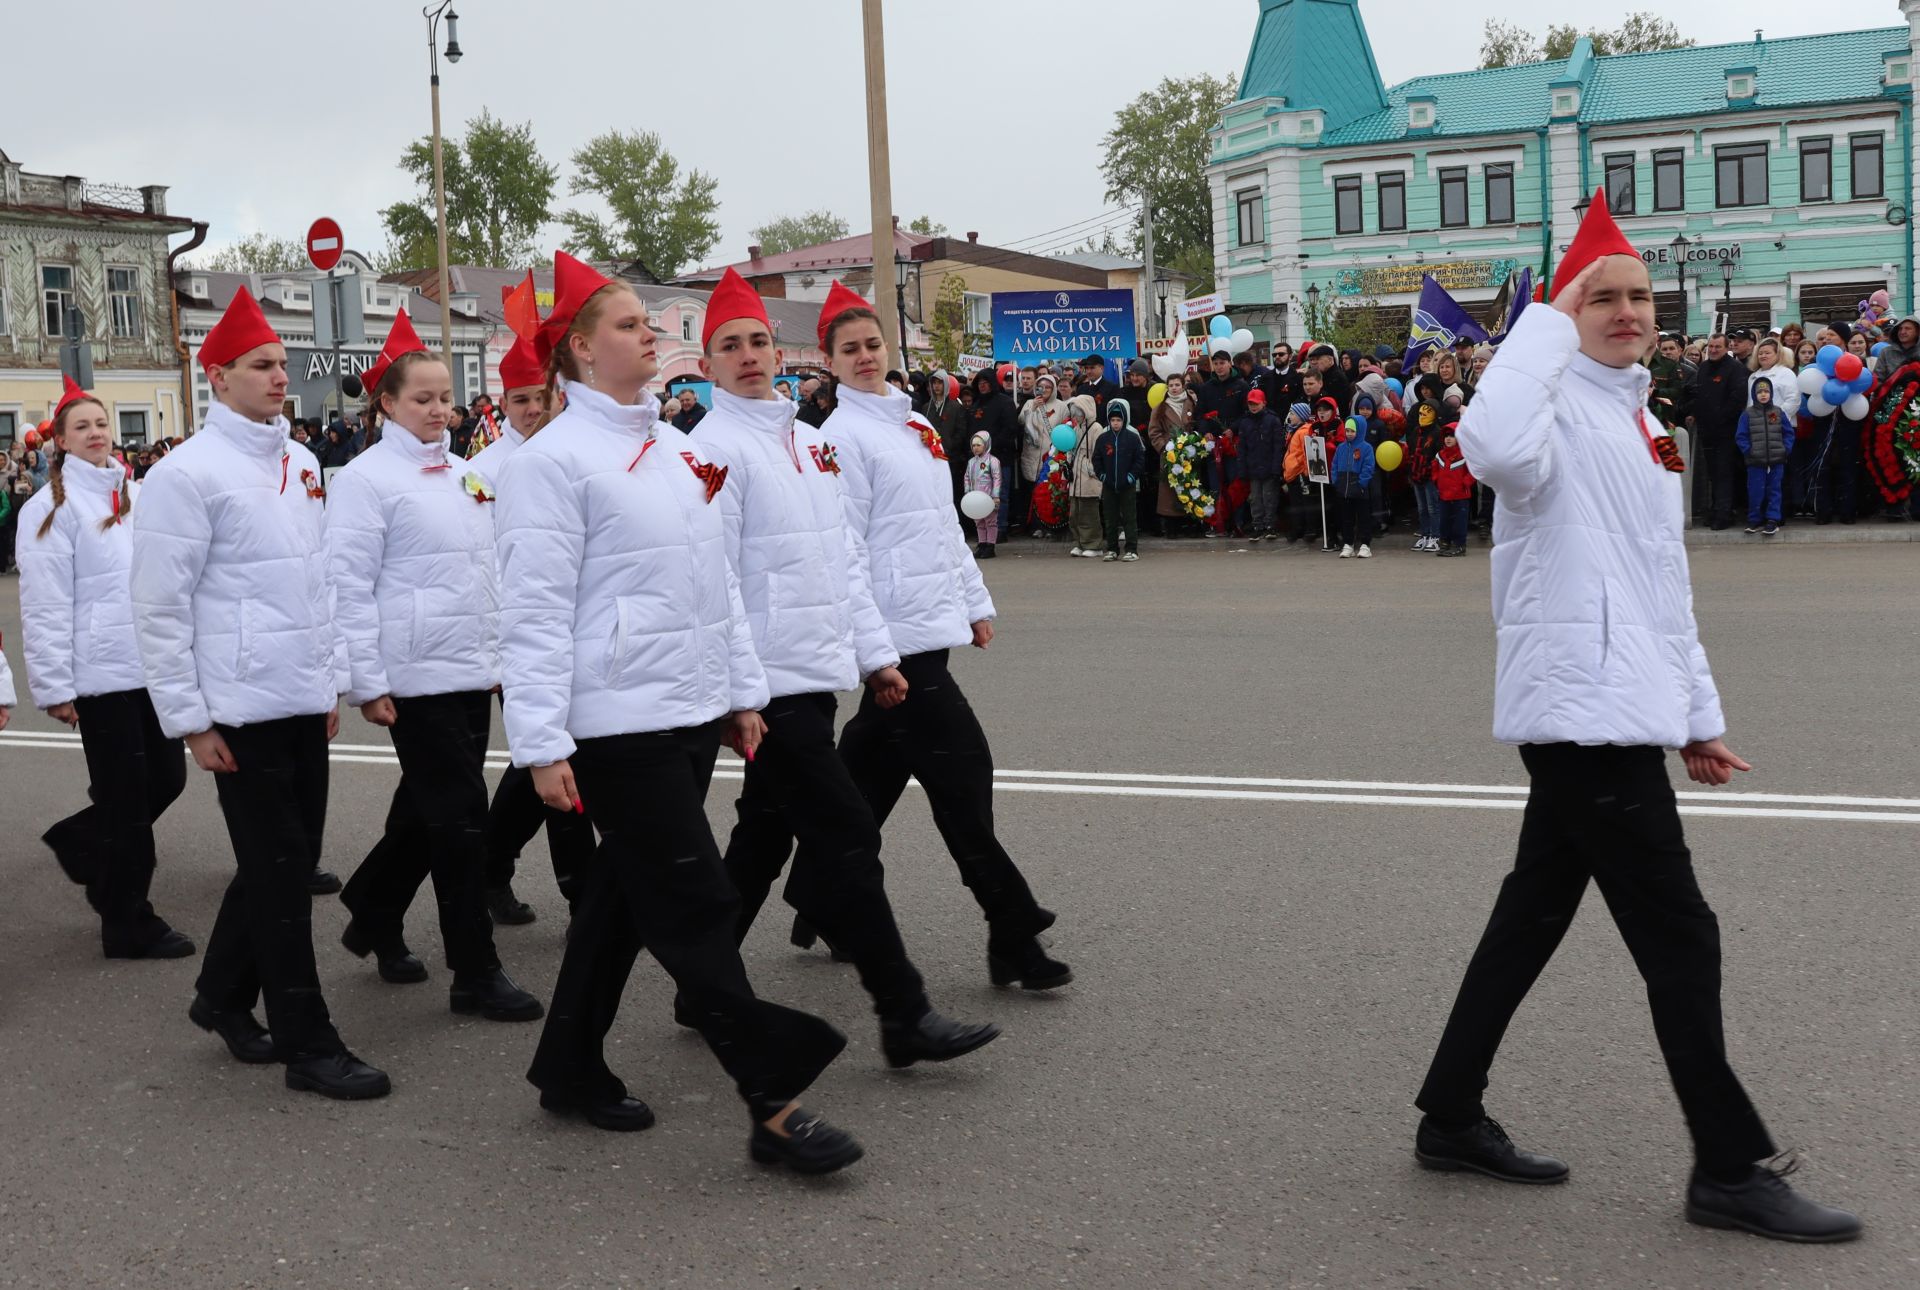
1740, 86
1420, 116
65, 308
1241, 223
978, 306
133, 308
686, 325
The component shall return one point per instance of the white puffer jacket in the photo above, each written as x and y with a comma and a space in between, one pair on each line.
619, 614
491, 460
802, 577
1591, 596
7, 697
232, 605
76, 590
410, 546
899, 501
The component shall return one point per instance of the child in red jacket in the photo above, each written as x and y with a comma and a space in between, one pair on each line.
1454, 481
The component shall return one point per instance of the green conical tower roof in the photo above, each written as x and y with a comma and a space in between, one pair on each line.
1314, 54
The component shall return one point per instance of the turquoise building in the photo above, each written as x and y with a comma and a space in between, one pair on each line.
1765, 180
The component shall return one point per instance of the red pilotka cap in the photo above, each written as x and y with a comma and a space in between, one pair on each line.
72, 394
839, 300
1597, 236
402, 339
731, 301
521, 366
573, 285
243, 327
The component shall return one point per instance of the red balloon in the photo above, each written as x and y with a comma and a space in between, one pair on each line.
953, 387
31, 439
1847, 367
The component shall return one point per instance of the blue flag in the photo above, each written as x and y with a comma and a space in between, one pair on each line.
1438, 321
1520, 297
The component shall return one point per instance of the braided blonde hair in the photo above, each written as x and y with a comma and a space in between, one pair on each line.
57, 482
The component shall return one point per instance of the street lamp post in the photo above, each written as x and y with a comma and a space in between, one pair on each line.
902, 270
1313, 310
1679, 247
432, 14
1726, 292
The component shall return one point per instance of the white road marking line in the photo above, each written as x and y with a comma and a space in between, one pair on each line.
1354, 792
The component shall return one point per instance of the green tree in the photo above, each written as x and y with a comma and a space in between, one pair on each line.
790, 232
949, 326
925, 226
1158, 147
255, 253
1503, 44
1346, 323
499, 194
659, 217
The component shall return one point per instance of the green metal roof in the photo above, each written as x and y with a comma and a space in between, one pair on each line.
1314, 54
1836, 67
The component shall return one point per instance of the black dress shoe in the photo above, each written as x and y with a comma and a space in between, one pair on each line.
933, 1038
804, 934
1025, 964
812, 1146
341, 1076
167, 944
507, 909
493, 995
621, 1115
322, 882
397, 963
1763, 1203
245, 1038
1484, 1148
76, 862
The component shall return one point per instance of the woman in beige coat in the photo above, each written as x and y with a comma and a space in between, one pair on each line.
1089, 534
1045, 410
1169, 419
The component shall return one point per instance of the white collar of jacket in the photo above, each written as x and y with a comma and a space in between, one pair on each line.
638, 419
512, 437
772, 416
1627, 383
83, 476
892, 406
427, 455
263, 439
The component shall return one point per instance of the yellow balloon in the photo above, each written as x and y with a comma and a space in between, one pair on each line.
1157, 394
1387, 456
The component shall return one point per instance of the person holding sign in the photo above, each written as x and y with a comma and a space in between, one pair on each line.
1601, 671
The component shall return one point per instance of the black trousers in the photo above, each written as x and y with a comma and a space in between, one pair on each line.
935, 738
136, 773
436, 825
797, 786
1723, 494
657, 881
262, 941
516, 815
1609, 814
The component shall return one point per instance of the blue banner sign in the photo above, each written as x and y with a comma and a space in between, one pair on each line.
1033, 327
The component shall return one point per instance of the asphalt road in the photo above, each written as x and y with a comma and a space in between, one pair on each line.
1224, 1096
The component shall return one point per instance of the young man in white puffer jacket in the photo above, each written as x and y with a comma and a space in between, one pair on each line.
815, 627
233, 609
410, 544
1600, 672
899, 507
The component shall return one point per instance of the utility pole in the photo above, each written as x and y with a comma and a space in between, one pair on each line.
1146, 273
879, 173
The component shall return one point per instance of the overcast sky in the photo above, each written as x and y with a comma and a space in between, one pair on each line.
262, 116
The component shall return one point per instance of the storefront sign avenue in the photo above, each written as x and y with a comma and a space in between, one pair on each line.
1663, 257
1404, 279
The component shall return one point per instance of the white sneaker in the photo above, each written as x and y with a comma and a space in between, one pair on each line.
1366, 552
1091, 555
1110, 556
1131, 556
1346, 552
1076, 551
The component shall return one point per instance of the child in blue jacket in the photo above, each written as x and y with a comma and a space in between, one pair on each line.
1352, 471
1764, 437
1120, 459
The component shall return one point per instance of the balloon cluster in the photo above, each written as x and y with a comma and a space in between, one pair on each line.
1836, 379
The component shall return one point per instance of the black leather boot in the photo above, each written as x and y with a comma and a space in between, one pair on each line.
932, 1038
397, 963
507, 909
493, 995
1024, 963
244, 1037
340, 1076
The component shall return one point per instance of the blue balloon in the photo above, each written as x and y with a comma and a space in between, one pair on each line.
1827, 357
1064, 438
1393, 383
1221, 326
1836, 392
1879, 349
1863, 382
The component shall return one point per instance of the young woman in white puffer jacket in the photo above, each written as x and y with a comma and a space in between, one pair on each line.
410, 543
626, 656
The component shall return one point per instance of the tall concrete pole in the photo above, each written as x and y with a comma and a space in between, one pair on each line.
880, 177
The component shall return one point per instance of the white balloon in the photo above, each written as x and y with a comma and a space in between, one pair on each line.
1240, 342
976, 505
1855, 408
1168, 365
1811, 380
1819, 406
